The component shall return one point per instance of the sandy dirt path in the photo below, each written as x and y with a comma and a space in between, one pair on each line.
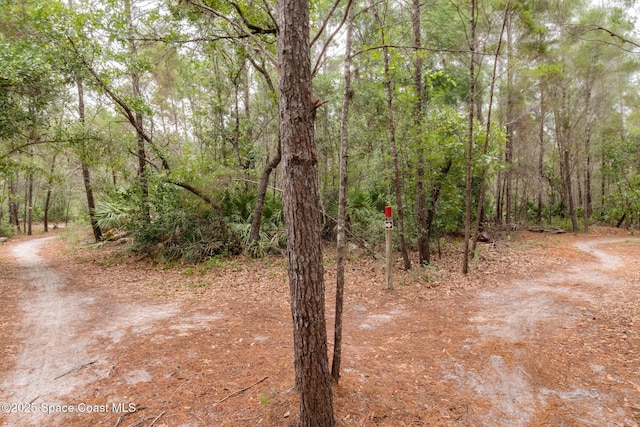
527, 325
59, 331
52, 345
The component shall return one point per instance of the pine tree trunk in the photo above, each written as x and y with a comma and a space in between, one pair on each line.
47, 200
418, 113
487, 133
303, 215
29, 202
14, 218
541, 153
508, 152
86, 175
342, 200
143, 179
469, 147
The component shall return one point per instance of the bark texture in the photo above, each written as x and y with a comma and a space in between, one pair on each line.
303, 215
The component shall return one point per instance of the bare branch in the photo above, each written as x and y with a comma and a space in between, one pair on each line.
413, 48
254, 29
613, 34
235, 393
241, 29
196, 192
326, 45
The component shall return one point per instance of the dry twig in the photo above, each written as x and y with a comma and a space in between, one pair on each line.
77, 368
235, 393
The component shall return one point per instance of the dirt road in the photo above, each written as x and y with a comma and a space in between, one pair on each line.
528, 317
543, 333
58, 335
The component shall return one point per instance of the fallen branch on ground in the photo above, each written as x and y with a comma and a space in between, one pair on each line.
235, 393
122, 417
77, 368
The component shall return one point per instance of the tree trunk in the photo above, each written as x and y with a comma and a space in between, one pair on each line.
86, 175
139, 118
418, 113
587, 208
342, 199
302, 214
47, 199
487, 133
563, 132
508, 152
256, 221
469, 148
569, 190
392, 137
26, 205
29, 202
541, 153
436, 188
14, 218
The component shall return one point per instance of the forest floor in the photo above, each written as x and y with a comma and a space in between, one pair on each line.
543, 332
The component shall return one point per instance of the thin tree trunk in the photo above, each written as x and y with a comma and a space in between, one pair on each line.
418, 114
143, 180
508, 152
302, 215
342, 199
86, 175
469, 148
14, 218
541, 152
392, 137
569, 190
4, 188
487, 133
29, 201
436, 189
256, 221
26, 205
499, 198
587, 207
47, 200
563, 132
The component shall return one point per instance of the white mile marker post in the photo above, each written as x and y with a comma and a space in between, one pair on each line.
388, 226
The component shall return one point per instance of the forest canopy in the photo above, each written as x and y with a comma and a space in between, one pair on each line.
159, 119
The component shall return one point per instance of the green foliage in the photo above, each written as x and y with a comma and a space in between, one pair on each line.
112, 213
238, 204
364, 215
6, 230
180, 228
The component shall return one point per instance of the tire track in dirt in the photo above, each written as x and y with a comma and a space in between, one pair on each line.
58, 335
514, 322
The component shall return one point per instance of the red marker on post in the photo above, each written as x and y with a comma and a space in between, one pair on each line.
388, 226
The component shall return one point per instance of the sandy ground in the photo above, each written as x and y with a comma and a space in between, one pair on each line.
544, 332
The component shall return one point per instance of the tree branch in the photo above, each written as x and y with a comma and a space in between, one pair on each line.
196, 192
324, 24
242, 30
612, 34
254, 29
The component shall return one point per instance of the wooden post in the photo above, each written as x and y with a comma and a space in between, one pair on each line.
388, 226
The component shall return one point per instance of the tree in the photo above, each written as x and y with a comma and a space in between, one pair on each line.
302, 214
391, 129
418, 111
470, 136
342, 198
